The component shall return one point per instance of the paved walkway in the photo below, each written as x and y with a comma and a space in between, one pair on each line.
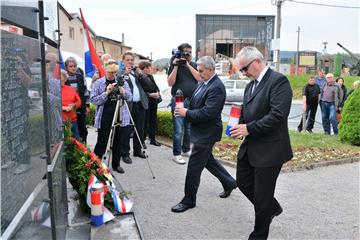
319, 204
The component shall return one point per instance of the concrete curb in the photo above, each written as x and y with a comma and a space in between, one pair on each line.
305, 167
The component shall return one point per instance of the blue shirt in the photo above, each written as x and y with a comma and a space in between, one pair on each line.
136, 92
321, 82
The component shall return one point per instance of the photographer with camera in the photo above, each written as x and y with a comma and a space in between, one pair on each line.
105, 94
182, 75
139, 103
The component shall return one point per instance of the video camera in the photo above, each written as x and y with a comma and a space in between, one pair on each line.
181, 55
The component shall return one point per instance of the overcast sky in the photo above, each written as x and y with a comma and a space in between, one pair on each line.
158, 26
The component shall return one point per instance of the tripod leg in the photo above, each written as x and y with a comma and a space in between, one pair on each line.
137, 135
109, 147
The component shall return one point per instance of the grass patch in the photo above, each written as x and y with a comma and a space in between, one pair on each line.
298, 82
307, 148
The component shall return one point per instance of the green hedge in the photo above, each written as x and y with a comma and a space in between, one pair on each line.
165, 126
349, 129
90, 117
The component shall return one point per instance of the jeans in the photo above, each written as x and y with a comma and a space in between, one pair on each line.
310, 117
328, 112
181, 130
75, 130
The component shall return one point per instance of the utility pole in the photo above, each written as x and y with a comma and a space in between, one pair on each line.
297, 52
278, 4
150, 55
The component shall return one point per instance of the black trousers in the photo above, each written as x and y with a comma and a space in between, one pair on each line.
81, 121
151, 119
310, 119
102, 139
258, 185
124, 140
201, 157
138, 115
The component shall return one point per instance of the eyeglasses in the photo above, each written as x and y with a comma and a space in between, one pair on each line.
110, 63
244, 69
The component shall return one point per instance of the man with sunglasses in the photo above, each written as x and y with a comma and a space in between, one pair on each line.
263, 123
182, 75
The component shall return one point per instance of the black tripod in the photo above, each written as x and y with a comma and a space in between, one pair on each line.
116, 122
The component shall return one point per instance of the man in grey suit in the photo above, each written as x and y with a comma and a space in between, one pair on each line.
263, 123
204, 114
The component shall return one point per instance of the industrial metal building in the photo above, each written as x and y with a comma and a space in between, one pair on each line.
227, 34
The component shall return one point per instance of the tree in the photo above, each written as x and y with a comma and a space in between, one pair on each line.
350, 124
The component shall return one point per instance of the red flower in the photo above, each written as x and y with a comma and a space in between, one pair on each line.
100, 171
93, 157
88, 164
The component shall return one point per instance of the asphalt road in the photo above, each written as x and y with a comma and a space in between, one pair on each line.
318, 204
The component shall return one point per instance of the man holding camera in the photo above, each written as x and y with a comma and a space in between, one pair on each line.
104, 94
182, 75
137, 106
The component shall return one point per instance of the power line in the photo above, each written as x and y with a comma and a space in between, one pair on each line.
325, 5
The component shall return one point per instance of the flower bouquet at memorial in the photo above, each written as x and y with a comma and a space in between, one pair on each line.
84, 169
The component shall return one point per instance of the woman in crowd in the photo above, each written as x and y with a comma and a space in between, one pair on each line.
70, 102
154, 99
105, 94
341, 82
77, 81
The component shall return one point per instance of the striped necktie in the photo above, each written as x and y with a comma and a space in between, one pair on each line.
254, 86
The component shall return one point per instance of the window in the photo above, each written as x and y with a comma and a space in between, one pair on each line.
240, 84
71, 33
229, 84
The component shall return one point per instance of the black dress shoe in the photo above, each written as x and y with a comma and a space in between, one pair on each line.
140, 155
127, 160
181, 207
276, 213
119, 170
155, 143
226, 193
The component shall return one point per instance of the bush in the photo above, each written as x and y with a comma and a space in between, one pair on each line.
350, 124
165, 125
90, 117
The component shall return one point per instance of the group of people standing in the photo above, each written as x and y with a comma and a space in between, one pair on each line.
330, 94
132, 89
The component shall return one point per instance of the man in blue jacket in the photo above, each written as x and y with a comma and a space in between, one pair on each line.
204, 114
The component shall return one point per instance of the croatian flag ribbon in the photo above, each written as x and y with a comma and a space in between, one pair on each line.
91, 182
92, 60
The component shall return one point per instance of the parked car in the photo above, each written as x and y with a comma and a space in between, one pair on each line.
235, 90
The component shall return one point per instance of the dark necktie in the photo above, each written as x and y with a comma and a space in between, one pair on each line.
254, 87
199, 89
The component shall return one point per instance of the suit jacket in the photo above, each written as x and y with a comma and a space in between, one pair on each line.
204, 112
143, 96
265, 114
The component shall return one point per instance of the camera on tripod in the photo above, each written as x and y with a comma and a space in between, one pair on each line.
120, 80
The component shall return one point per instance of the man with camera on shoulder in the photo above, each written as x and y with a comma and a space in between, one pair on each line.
182, 75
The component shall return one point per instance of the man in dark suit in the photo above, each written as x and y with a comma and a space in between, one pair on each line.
137, 106
204, 114
263, 123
